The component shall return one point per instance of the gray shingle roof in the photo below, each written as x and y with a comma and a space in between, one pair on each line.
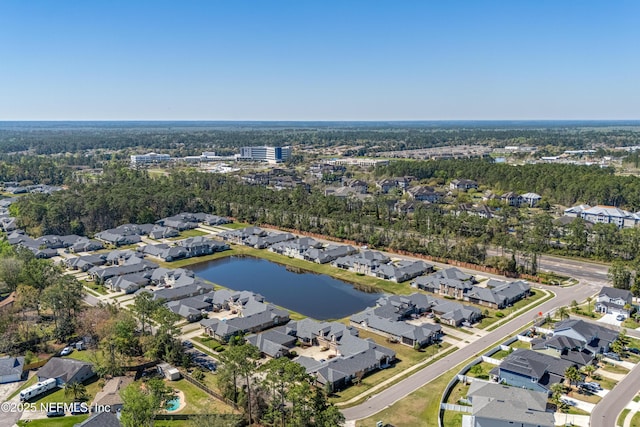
11, 365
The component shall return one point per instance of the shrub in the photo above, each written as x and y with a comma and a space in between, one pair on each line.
499, 314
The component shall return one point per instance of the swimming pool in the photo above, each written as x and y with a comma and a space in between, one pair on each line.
173, 404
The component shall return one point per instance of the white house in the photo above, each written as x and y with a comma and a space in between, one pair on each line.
612, 301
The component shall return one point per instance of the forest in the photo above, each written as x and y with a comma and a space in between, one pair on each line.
122, 195
367, 138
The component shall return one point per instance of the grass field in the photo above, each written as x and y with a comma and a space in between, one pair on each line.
635, 421
68, 421
197, 401
622, 416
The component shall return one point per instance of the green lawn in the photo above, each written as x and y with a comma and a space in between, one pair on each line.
491, 322
198, 402
189, 233
484, 374
614, 369
520, 344
407, 356
235, 225
68, 421
459, 391
452, 418
501, 354
622, 416
635, 421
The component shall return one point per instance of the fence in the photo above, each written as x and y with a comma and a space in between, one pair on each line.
208, 390
452, 407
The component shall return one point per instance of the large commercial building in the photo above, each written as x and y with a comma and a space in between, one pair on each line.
265, 154
145, 159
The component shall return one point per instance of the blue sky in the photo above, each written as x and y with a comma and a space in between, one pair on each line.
321, 60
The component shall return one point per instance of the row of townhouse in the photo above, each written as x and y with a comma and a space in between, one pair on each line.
604, 215
376, 264
348, 356
47, 246
389, 317
187, 248
164, 228
454, 283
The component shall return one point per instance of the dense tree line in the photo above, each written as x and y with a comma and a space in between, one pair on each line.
188, 138
122, 196
565, 184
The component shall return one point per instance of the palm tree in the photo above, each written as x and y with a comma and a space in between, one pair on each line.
589, 370
562, 313
589, 299
557, 390
78, 390
572, 375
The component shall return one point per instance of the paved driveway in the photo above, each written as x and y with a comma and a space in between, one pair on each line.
610, 319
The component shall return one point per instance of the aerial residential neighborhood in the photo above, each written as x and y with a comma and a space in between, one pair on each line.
319, 214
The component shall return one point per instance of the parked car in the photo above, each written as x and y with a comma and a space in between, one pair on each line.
633, 350
55, 414
568, 402
66, 351
187, 344
594, 385
620, 317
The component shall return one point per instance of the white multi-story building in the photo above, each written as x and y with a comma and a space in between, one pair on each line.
143, 159
605, 215
265, 154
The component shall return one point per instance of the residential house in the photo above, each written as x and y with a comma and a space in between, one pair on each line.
101, 419
197, 287
274, 342
295, 248
223, 330
463, 184
424, 194
87, 245
101, 274
455, 314
404, 208
403, 270
240, 235
66, 371
531, 370
403, 332
356, 184
564, 347
450, 282
263, 242
614, 301
328, 253
596, 338
498, 294
365, 262
531, 199
386, 185
497, 405
160, 232
109, 397
11, 369
129, 283
85, 262
511, 199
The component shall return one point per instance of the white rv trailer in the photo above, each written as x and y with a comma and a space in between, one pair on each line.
37, 389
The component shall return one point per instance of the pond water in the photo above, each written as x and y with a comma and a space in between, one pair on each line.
317, 296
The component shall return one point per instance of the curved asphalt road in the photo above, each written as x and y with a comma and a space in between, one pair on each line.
376, 403
605, 413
